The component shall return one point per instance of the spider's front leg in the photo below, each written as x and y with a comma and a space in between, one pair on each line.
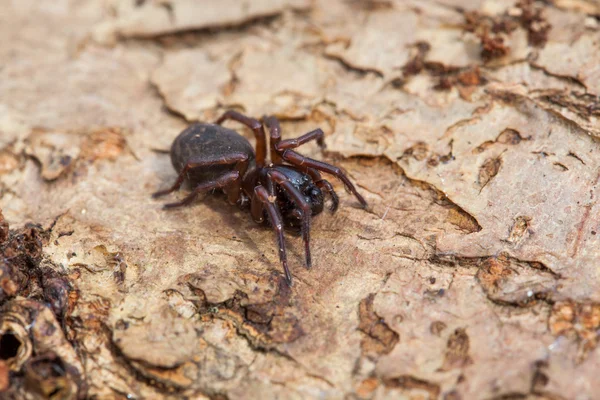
278, 145
316, 134
304, 162
302, 205
261, 201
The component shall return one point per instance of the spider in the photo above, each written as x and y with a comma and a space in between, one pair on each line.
287, 192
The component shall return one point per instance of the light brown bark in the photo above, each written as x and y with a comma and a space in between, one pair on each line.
471, 127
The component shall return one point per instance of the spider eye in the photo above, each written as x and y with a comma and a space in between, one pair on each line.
297, 214
315, 196
315, 193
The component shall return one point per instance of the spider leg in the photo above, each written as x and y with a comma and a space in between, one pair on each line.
297, 159
301, 204
257, 128
317, 135
239, 159
260, 201
220, 182
272, 124
279, 147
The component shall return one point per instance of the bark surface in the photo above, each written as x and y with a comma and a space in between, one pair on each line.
471, 127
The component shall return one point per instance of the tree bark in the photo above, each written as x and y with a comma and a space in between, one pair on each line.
471, 128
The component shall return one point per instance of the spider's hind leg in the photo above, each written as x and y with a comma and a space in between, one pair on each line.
220, 182
257, 128
238, 160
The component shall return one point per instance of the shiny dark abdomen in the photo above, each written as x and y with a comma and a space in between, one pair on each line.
202, 141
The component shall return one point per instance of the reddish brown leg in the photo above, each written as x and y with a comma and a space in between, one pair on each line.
278, 146
260, 201
301, 204
220, 182
317, 135
241, 165
257, 128
297, 159
274, 128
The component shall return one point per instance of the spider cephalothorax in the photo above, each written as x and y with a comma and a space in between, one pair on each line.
287, 192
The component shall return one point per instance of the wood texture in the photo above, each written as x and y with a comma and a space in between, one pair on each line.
471, 127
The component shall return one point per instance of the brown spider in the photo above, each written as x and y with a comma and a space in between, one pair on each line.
213, 157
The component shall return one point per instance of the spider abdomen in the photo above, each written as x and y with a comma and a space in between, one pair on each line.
208, 140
